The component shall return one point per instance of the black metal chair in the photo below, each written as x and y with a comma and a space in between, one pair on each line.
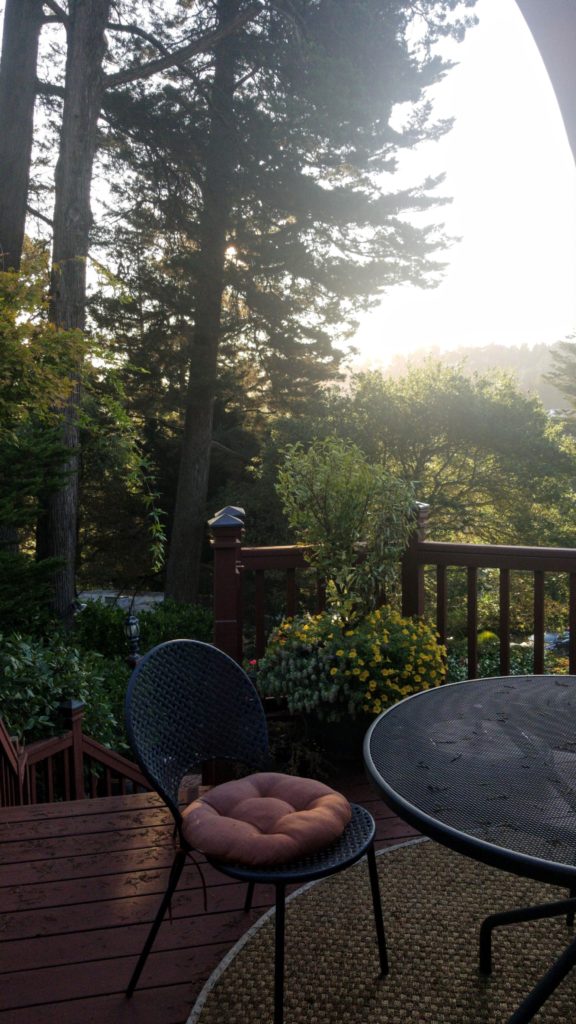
188, 703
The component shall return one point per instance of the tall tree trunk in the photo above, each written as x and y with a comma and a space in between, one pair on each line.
190, 509
72, 221
21, 33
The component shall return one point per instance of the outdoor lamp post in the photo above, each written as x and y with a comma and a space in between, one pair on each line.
132, 634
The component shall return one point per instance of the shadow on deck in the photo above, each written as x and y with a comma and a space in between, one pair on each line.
80, 883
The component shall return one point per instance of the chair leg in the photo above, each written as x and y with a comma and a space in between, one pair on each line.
175, 872
249, 895
279, 953
377, 904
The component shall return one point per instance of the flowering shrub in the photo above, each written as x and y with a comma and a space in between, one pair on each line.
336, 671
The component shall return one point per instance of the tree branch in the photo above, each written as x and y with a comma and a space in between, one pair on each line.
57, 10
46, 89
135, 30
36, 213
199, 46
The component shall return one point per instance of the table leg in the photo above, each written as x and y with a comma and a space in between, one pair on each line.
515, 917
545, 987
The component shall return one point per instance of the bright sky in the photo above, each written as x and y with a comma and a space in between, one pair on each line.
512, 176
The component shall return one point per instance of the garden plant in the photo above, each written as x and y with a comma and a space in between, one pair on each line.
359, 655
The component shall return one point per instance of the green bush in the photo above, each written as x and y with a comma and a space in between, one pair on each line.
90, 665
355, 517
337, 672
100, 627
521, 660
172, 621
25, 591
37, 675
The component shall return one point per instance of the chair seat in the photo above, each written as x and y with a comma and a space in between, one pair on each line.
265, 819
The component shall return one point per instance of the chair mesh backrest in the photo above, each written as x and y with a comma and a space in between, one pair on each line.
188, 702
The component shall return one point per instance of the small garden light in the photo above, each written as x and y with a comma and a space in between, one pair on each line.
132, 634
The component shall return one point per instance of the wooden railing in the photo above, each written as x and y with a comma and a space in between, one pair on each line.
504, 559
234, 566
233, 562
70, 766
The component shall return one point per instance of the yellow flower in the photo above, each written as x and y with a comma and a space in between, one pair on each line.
333, 671
340, 653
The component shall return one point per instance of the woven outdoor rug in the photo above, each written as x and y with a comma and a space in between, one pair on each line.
434, 901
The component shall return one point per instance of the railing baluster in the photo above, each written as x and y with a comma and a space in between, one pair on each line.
259, 609
504, 622
67, 785
572, 623
538, 621
291, 593
441, 602
50, 779
472, 619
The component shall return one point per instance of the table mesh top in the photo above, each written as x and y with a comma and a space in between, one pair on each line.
494, 759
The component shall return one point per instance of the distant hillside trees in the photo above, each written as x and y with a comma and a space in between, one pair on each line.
488, 459
530, 365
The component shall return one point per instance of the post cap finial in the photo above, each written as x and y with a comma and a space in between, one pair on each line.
224, 519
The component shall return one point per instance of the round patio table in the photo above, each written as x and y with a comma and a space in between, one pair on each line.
488, 767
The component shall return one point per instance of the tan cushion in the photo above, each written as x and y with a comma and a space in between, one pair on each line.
265, 819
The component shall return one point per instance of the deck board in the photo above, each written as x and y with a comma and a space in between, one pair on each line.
79, 885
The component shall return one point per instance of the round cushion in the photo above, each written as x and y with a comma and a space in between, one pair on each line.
265, 819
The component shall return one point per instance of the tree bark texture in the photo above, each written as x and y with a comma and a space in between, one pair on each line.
189, 524
72, 222
21, 34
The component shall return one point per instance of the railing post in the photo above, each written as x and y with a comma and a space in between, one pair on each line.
412, 568
227, 527
73, 712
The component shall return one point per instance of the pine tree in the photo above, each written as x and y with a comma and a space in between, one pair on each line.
270, 190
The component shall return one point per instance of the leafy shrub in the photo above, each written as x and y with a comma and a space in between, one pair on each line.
337, 671
100, 627
521, 660
25, 590
355, 517
172, 621
38, 675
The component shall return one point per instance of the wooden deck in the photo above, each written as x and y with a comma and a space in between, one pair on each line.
79, 884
